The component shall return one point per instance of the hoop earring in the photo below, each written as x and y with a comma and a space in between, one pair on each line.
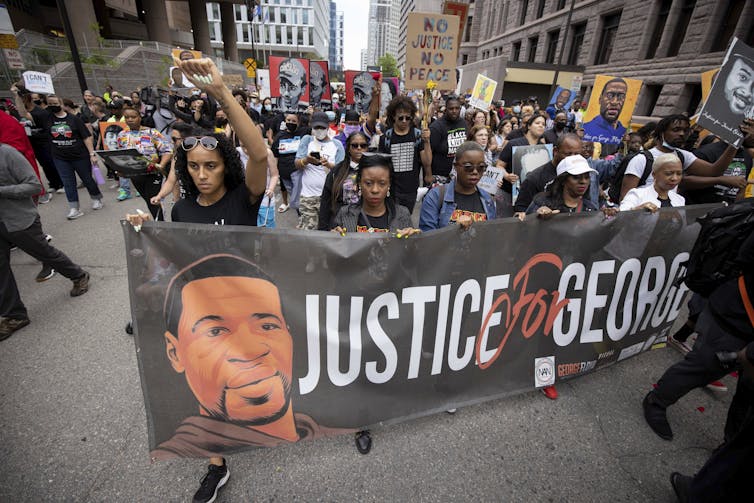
388, 192
359, 192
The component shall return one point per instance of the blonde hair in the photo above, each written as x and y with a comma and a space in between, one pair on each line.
664, 159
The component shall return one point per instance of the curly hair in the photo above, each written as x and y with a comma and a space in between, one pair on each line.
343, 169
399, 103
234, 172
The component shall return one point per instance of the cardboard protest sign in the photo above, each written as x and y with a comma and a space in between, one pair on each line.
431, 50
319, 84
561, 99
462, 11
527, 158
176, 77
359, 89
38, 82
289, 81
483, 92
488, 181
243, 341
611, 106
391, 87
108, 133
731, 99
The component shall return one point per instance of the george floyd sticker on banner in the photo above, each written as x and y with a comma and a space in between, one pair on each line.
109, 134
731, 99
483, 93
610, 108
243, 341
359, 89
289, 82
319, 84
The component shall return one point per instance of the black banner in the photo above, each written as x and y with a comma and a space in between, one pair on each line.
251, 337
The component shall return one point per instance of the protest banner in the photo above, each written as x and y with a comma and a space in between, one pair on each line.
263, 83
483, 92
359, 89
431, 50
362, 330
708, 78
611, 106
126, 162
108, 133
527, 158
14, 59
462, 11
7, 33
38, 82
391, 87
289, 82
488, 181
319, 84
561, 99
731, 99
176, 78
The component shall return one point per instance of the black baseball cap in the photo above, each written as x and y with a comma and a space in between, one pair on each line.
319, 119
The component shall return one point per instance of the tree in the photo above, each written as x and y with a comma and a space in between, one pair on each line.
389, 66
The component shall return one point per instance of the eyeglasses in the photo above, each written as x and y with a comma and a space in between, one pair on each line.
361, 146
175, 139
403, 118
208, 142
615, 96
470, 168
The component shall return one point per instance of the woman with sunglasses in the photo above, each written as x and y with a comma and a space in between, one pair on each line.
376, 209
341, 188
179, 132
460, 201
217, 192
155, 147
410, 150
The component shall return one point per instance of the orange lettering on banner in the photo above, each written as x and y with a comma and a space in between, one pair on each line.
475, 217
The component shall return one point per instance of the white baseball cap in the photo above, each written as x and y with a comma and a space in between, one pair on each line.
574, 165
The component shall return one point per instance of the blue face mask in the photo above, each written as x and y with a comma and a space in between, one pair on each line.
349, 130
516, 110
667, 145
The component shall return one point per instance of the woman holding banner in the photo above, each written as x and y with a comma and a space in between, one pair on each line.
217, 191
341, 187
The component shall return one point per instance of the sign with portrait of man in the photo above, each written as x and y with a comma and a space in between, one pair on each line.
319, 84
359, 89
731, 98
289, 82
610, 108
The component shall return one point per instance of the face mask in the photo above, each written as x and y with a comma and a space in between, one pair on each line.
560, 125
664, 143
291, 126
195, 93
268, 108
349, 130
221, 122
54, 108
38, 102
330, 115
516, 110
319, 134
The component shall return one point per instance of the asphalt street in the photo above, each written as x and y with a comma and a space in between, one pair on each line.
74, 426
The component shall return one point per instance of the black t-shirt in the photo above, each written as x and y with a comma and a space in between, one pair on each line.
739, 166
376, 224
445, 138
665, 203
68, 135
284, 148
234, 208
471, 205
406, 160
40, 133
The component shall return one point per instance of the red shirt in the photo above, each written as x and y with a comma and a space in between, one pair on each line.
13, 133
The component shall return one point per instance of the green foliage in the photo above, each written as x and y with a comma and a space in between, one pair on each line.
389, 66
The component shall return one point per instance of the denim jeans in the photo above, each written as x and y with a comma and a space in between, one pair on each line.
68, 171
125, 184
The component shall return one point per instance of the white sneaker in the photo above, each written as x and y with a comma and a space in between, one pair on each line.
61, 190
74, 213
97, 204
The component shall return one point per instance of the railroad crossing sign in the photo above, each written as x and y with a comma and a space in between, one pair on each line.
251, 67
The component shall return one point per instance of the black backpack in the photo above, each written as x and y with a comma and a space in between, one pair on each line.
617, 181
713, 257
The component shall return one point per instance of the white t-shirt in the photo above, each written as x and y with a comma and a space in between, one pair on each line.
636, 165
313, 179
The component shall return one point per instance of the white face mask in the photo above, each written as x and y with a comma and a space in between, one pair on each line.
319, 134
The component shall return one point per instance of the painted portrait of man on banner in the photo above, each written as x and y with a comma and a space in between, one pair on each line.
731, 98
561, 100
610, 109
226, 332
359, 88
289, 82
319, 84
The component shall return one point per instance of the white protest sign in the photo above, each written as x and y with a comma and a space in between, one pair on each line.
38, 82
263, 83
14, 59
489, 180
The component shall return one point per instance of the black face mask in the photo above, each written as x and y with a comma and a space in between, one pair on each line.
221, 122
38, 102
560, 125
54, 108
292, 126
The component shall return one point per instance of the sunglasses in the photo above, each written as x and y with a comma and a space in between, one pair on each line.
403, 118
362, 146
582, 176
208, 142
175, 139
470, 168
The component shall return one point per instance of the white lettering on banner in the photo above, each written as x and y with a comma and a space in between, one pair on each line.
644, 296
455, 140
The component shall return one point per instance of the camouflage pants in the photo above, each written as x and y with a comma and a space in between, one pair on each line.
309, 208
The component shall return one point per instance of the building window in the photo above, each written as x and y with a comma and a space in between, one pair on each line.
552, 46
693, 94
284, 15
245, 33
467, 31
727, 27
540, 9
464, 59
651, 93
607, 38
215, 11
679, 31
577, 40
560, 5
305, 19
516, 54
532, 54
278, 38
522, 14
660, 21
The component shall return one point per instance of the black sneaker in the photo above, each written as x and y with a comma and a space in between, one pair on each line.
216, 477
46, 273
10, 325
80, 285
656, 417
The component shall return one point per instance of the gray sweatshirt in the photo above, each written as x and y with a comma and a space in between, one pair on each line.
18, 183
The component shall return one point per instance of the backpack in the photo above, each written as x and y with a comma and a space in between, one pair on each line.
389, 134
617, 181
713, 257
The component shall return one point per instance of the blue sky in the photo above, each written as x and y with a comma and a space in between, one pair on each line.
355, 31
